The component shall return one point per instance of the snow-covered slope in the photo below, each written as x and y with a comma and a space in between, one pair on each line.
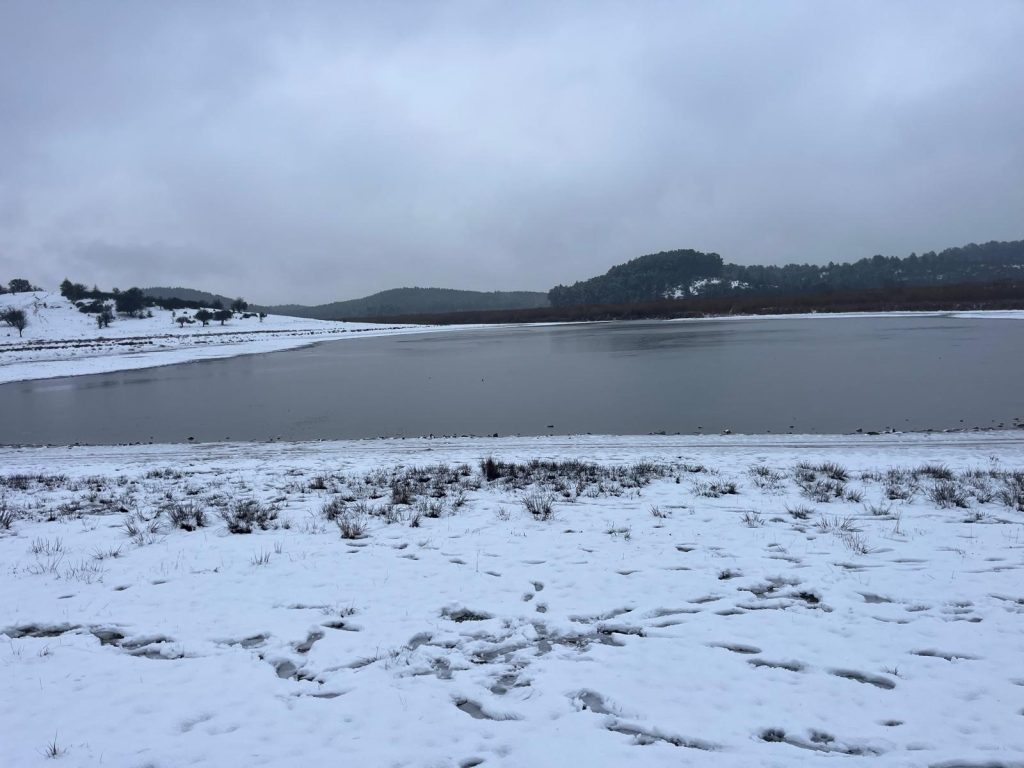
61, 341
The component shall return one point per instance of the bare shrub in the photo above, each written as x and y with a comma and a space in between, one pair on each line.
934, 471
900, 485
320, 483
805, 472
262, 558
429, 509
833, 471
107, 554
752, 520
389, 514
6, 515
765, 478
187, 516
1012, 492
16, 482
716, 489
879, 510
141, 529
85, 571
489, 469
539, 504
573, 477
800, 512
351, 526
52, 750
334, 508
823, 490
163, 474
401, 493
246, 515
978, 483
855, 542
624, 531
947, 493
47, 547
827, 524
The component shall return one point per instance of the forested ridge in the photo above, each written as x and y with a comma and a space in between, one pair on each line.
684, 274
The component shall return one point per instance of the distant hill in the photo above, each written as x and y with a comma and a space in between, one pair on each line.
414, 301
692, 274
646, 278
188, 294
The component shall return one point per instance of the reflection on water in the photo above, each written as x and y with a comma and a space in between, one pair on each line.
806, 375
618, 338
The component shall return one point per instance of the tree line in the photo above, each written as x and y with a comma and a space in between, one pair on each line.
1000, 295
692, 274
18, 285
134, 302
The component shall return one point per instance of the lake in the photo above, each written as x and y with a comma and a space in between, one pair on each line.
802, 375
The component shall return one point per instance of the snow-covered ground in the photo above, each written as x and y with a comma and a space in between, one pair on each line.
61, 341
656, 618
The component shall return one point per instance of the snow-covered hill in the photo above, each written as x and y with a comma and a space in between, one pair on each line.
59, 340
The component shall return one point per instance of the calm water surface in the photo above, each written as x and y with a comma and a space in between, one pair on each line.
753, 376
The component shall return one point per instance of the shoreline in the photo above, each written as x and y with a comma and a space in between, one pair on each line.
473, 448
19, 371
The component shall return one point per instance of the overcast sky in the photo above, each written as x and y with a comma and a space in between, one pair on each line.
315, 151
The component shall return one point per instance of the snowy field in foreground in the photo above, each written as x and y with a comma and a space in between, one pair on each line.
61, 341
656, 618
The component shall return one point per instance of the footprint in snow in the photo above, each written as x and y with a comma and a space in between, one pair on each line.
737, 648
863, 677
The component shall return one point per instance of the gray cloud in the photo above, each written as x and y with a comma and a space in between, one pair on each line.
318, 151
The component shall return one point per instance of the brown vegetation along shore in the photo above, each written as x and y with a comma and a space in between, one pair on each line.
960, 297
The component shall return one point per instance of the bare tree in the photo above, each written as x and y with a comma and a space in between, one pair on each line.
16, 318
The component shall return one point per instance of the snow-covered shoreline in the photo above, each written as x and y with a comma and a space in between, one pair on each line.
61, 341
719, 601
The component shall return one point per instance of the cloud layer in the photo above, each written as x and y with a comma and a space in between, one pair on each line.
319, 151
